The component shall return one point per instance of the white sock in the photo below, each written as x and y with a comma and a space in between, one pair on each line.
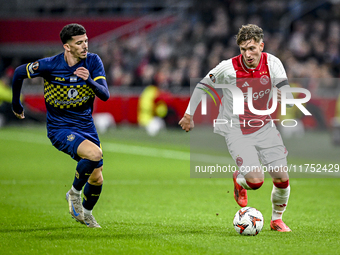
76, 191
242, 181
279, 201
87, 212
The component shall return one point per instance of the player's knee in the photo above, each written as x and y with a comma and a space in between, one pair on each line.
96, 177
277, 180
255, 183
281, 183
95, 154
97, 181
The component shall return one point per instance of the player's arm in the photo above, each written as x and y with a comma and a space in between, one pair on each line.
99, 87
20, 74
187, 122
289, 95
280, 80
98, 84
30, 70
215, 76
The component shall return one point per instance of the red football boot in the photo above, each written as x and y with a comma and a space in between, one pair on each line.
279, 225
240, 194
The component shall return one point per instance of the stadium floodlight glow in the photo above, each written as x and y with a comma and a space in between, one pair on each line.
239, 98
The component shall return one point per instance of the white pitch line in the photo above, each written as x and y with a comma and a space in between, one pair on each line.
143, 151
132, 182
128, 149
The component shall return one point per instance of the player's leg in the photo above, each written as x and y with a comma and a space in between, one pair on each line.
250, 175
90, 156
89, 166
244, 181
273, 153
280, 193
92, 191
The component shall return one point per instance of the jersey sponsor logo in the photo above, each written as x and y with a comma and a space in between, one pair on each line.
212, 78
246, 84
264, 79
62, 96
59, 79
239, 161
260, 94
79, 100
71, 137
72, 93
33, 67
256, 95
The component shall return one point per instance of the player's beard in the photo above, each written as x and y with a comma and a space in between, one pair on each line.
83, 56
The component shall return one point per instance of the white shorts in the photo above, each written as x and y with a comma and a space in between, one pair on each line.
265, 146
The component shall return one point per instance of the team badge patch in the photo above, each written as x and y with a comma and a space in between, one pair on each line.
239, 161
33, 67
71, 137
72, 93
212, 78
264, 79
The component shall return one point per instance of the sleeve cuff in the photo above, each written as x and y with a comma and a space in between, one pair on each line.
282, 83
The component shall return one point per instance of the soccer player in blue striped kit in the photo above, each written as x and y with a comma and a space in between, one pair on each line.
72, 79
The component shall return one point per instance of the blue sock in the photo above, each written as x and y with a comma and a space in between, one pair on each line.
84, 169
91, 195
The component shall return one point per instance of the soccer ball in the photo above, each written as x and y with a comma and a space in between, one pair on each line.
248, 221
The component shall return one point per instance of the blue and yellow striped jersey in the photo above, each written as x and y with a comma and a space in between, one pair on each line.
69, 100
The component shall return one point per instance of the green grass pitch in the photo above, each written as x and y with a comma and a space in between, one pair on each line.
149, 203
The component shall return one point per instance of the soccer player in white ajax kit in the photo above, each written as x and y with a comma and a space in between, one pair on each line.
253, 140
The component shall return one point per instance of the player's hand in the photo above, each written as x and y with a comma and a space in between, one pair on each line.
186, 122
19, 116
82, 72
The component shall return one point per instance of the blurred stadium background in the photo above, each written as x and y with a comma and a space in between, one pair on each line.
166, 43
150, 205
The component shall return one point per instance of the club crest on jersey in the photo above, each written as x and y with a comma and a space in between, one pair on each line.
264, 79
212, 78
239, 161
72, 93
71, 137
33, 67
73, 79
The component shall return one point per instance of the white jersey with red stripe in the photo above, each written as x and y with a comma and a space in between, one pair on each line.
269, 73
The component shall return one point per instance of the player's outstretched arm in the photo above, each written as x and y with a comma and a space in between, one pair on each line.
186, 122
99, 87
289, 95
19, 75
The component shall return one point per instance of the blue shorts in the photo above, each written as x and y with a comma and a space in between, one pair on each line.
68, 141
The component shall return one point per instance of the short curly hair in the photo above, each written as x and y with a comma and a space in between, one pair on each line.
248, 32
71, 30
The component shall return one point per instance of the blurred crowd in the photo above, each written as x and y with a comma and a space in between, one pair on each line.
308, 43
205, 35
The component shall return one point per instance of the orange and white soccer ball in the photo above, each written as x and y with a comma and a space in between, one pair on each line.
248, 221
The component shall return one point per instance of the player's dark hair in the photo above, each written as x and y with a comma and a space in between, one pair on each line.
248, 32
71, 30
